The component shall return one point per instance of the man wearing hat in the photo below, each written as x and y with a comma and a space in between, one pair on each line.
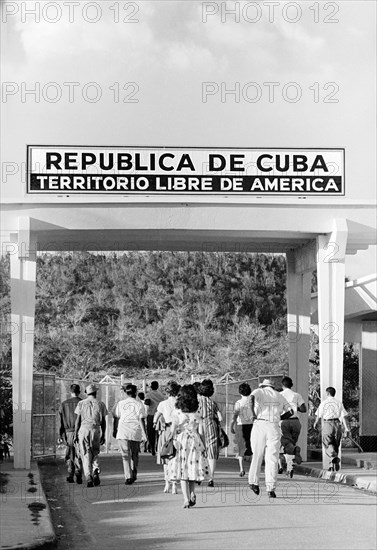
67, 433
269, 408
90, 431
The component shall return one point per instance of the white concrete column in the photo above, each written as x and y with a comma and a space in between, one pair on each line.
298, 301
368, 386
23, 283
331, 292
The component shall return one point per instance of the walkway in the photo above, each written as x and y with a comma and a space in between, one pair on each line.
308, 512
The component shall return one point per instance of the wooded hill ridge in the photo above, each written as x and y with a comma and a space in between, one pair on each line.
179, 313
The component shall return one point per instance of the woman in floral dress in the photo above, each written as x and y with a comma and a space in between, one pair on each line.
190, 463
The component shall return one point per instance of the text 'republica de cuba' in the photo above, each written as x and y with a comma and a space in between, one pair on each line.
117, 170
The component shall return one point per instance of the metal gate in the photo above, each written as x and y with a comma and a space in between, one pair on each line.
43, 428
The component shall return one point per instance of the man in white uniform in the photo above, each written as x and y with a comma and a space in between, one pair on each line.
333, 414
269, 408
129, 429
291, 427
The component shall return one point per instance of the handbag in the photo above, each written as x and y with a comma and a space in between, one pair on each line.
223, 438
168, 450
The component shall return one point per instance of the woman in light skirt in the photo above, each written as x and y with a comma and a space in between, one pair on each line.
162, 422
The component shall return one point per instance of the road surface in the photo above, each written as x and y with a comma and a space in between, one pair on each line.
307, 513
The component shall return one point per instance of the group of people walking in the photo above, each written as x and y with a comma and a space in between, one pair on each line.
265, 425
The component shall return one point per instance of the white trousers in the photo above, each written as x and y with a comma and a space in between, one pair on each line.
265, 442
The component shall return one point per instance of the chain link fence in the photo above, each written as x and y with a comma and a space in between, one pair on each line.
49, 392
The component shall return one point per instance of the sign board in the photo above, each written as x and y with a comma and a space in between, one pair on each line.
183, 171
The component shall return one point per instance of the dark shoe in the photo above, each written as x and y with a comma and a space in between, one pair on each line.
335, 462
255, 488
290, 473
271, 494
298, 458
192, 500
96, 479
90, 482
210, 483
129, 481
187, 505
78, 479
242, 473
280, 470
70, 479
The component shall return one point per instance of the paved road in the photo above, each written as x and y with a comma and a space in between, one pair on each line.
308, 514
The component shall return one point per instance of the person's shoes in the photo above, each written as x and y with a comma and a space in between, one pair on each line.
335, 462
242, 473
280, 470
166, 488
96, 479
192, 500
173, 488
211, 483
90, 482
129, 481
78, 479
331, 469
70, 479
255, 488
271, 494
298, 458
290, 473
186, 504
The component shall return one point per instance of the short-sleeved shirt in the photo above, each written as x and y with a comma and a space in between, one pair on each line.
244, 409
67, 414
155, 397
129, 411
330, 409
269, 404
92, 412
294, 399
166, 408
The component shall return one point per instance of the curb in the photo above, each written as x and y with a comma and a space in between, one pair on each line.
364, 463
358, 482
359, 463
42, 534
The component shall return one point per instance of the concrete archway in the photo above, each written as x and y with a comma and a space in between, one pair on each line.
314, 234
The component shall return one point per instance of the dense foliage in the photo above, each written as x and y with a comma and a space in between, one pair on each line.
201, 313
192, 312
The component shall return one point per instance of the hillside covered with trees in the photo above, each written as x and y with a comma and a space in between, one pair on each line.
191, 313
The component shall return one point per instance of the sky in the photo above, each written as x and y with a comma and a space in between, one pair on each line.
162, 72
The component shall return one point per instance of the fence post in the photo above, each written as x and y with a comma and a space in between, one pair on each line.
226, 408
108, 431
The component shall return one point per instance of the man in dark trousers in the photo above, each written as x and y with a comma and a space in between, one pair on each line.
152, 399
333, 415
67, 430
